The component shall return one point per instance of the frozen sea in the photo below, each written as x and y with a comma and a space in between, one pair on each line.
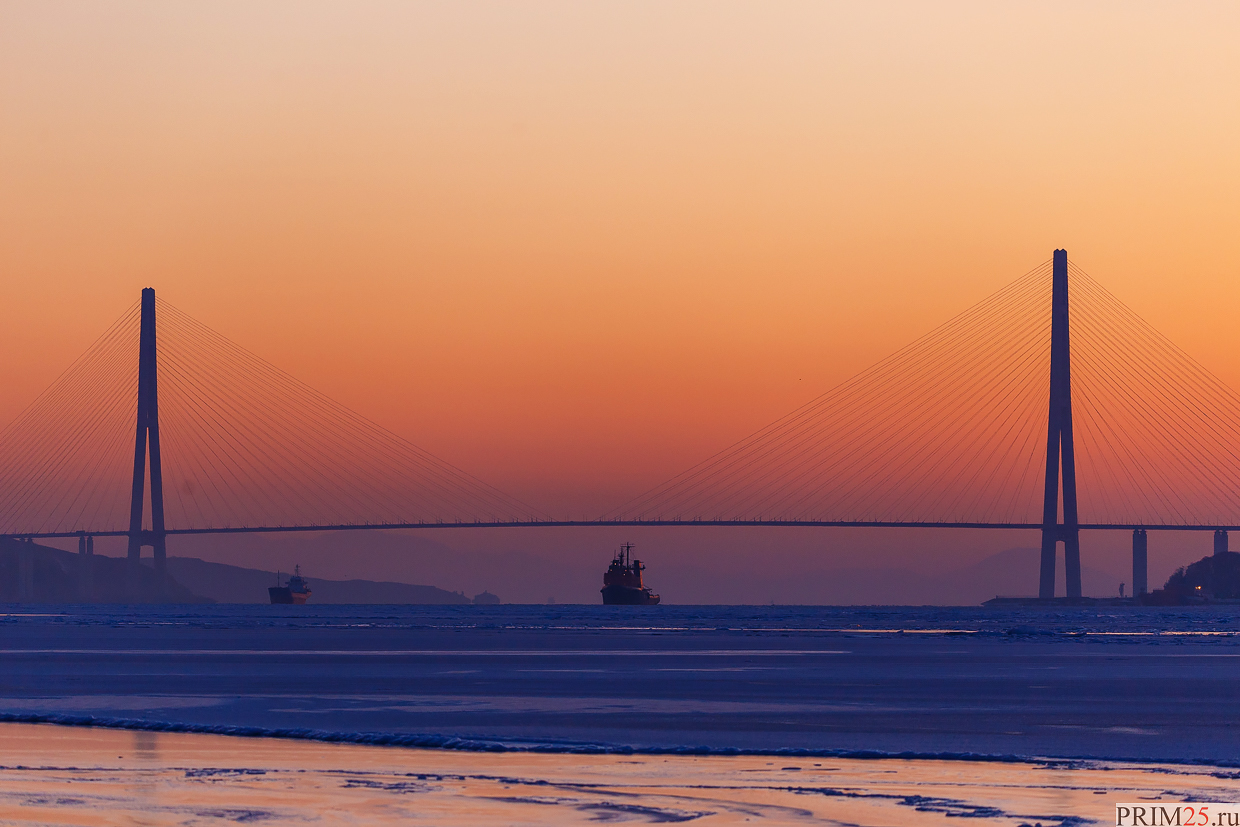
1124, 684
91, 776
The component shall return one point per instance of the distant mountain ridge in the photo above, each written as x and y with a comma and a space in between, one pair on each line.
235, 584
31, 572
35, 573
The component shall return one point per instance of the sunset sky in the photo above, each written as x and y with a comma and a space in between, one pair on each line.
575, 248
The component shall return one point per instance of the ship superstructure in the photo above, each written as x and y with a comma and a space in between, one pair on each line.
296, 591
622, 584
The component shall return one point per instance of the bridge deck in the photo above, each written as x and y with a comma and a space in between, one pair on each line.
627, 524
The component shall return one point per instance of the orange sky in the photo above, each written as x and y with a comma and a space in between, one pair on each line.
575, 248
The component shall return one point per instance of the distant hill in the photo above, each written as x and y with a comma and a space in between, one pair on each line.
234, 584
33, 573
1212, 578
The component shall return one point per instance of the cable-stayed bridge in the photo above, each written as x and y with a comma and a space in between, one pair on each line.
1049, 405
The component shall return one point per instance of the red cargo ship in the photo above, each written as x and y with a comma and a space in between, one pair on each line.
296, 591
622, 584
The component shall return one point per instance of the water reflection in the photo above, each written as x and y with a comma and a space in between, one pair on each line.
146, 746
145, 782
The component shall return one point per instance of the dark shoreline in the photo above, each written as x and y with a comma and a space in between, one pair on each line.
448, 742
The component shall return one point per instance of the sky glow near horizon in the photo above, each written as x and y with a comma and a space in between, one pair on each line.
576, 249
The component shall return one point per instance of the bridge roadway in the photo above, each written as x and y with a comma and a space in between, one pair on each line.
623, 524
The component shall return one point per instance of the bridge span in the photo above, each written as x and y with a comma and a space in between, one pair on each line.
945, 433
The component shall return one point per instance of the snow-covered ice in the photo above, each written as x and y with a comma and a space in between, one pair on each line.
76, 776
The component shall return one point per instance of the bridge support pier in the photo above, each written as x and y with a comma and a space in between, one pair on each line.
1220, 542
147, 434
25, 571
1059, 449
86, 567
1046, 576
1140, 545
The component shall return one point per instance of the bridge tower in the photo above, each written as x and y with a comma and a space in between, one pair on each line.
1140, 562
148, 435
1059, 448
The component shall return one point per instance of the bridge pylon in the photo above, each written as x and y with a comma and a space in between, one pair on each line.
1140, 562
147, 436
1059, 448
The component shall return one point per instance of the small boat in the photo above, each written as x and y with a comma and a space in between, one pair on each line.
622, 584
296, 591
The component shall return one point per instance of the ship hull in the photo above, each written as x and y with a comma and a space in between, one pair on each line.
285, 596
628, 596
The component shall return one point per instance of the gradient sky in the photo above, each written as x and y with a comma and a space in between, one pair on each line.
575, 248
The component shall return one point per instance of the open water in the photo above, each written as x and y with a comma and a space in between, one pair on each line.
999, 685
